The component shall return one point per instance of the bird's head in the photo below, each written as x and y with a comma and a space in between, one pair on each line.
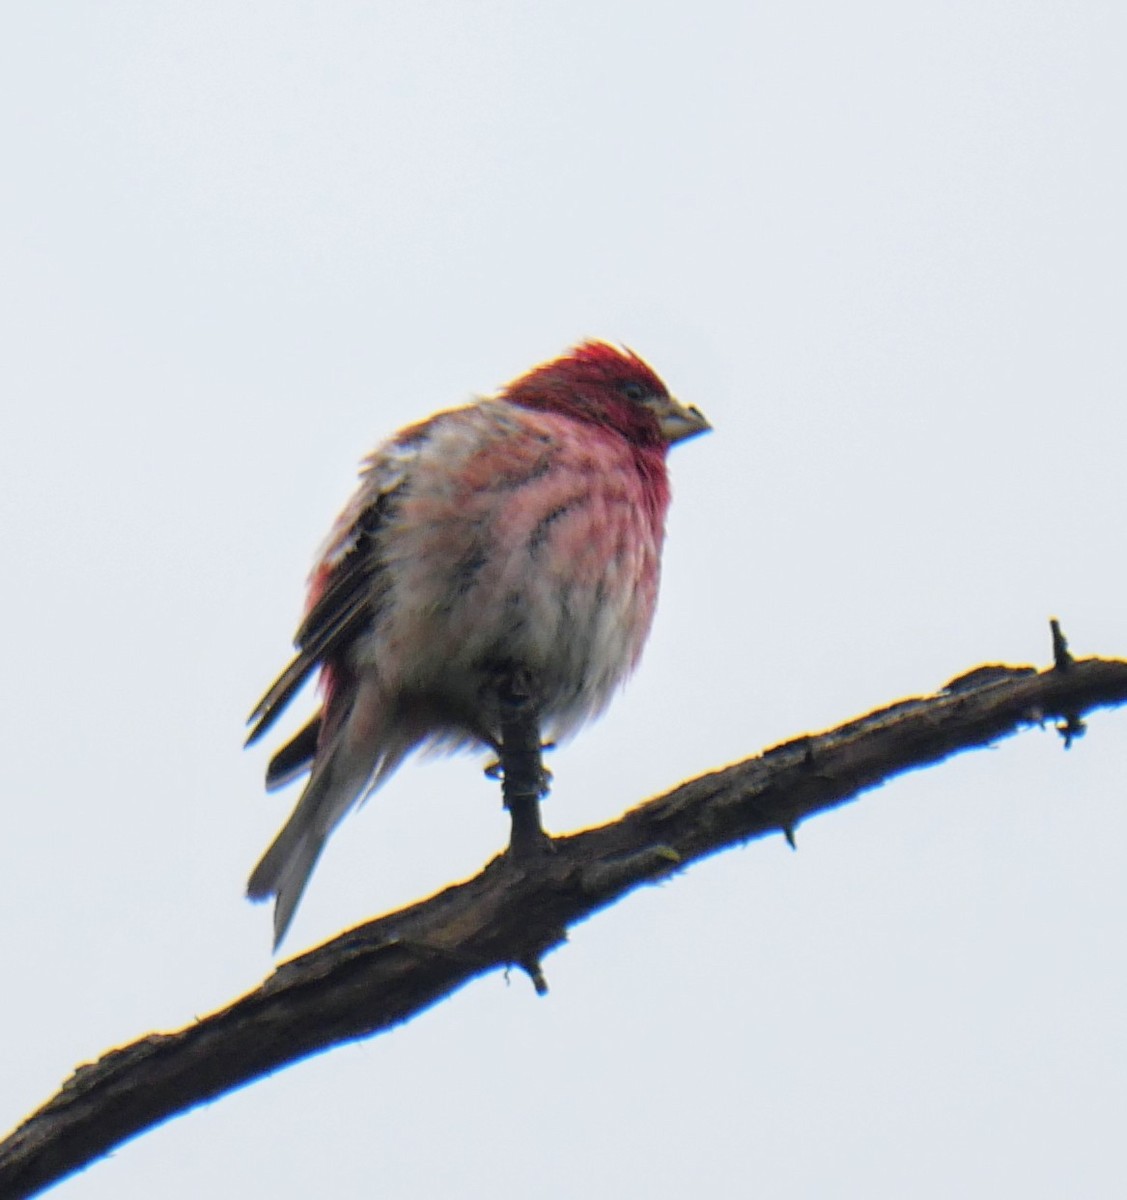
612, 387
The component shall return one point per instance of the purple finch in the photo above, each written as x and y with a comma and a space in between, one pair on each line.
517, 538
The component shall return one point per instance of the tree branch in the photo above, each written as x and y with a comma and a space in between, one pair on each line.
514, 912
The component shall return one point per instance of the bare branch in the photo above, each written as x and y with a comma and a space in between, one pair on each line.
514, 912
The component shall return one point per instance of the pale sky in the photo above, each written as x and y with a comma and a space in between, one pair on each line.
882, 246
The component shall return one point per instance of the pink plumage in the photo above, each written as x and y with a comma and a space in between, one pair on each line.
520, 533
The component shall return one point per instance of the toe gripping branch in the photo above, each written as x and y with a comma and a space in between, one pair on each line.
524, 779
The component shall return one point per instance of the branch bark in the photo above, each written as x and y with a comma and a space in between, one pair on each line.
514, 912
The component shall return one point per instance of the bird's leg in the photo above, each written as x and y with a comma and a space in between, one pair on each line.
524, 779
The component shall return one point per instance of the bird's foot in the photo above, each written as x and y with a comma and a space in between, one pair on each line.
524, 778
496, 770
528, 838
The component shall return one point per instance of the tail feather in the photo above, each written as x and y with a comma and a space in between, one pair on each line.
295, 758
283, 872
362, 750
341, 778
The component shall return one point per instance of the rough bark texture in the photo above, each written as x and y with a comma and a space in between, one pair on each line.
513, 913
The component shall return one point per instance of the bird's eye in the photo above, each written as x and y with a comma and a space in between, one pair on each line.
633, 391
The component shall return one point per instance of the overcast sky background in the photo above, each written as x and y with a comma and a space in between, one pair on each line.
882, 247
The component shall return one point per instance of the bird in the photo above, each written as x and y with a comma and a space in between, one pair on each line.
515, 538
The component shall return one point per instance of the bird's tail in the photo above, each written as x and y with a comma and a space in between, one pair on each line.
284, 870
351, 763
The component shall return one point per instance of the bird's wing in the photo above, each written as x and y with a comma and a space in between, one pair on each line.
342, 589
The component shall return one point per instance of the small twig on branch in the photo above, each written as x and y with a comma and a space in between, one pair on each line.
517, 909
1062, 658
1072, 727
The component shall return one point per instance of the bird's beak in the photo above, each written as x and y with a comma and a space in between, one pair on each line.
679, 421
